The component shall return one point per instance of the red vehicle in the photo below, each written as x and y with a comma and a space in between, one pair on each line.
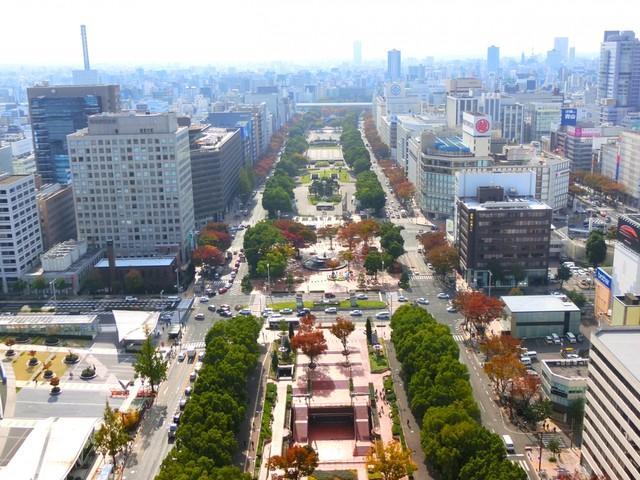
222, 290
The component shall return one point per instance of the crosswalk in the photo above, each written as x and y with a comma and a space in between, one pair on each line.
522, 464
190, 345
458, 337
422, 276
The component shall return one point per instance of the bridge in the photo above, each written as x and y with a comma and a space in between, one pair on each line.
314, 105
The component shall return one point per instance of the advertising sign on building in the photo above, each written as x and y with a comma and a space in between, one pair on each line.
629, 233
477, 125
583, 132
603, 277
569, 116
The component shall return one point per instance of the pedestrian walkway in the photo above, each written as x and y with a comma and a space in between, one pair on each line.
458, 337
196, 345
521, 462
279, 415
422, 276
80, 351
19, 422
85, 386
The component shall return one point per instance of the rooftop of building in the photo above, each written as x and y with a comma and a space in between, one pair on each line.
508, 203
450, 145
138, 262
63, 248
6, 320
539, 303
568, 367
212, 138
623, 343
629, 299
9, 179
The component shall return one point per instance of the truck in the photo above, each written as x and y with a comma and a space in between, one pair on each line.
191, 354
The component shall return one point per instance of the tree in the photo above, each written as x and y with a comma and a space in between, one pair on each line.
10, 342
207, 255
341, 329
576, 297
516, 292
500, 345
133, 281
501, 369
553, 445
478, 309
564, 273
431, 240
313, 344
404, 280
93, 282
390, 460
373, 262
19, 286
444, 259
246, 182
61, 284
596, 248
368, 330
276, 200
297, 462
258, 240
111, 437
273, 264
39, 284
150, 365
289, 281
329, 232
246, 285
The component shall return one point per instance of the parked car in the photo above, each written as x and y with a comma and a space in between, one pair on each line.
222, 290
355, 313
201, 356
130, 299
183, 403
443, 296
329, 295
199, 316
193, 376
331, 310
181, 356
187, 391
423, 301
176, 416
171, 432
451, 309
548, 340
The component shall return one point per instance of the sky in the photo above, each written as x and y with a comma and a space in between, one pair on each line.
224, 32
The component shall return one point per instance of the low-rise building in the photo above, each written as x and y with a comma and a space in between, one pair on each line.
57, 214
85, 326
157, 273
535, 316
626, 310
564, 382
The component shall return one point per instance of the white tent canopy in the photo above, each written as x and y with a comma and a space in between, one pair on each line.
135, 326
51, 449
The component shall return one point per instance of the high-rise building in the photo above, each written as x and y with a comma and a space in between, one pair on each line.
561, 46
542, 118
85, 76
512, 120
132, 183
493, 59
21, 240
394, 65
57, 214
58, 110
216, 159
611, 432
357, 52
619, 75
457, 105
621, 162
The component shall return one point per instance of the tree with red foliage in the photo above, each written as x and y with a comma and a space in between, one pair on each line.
296, 233
349, 235
478, 309
207, 255
312, 343
405, 191
500, 345
367, 229
307, 323
431, 240
215, 234
330, 231
341, 329
297, 462
443, 258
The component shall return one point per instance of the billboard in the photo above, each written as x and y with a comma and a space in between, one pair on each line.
629, 233
584, 132
569, 116
603, 277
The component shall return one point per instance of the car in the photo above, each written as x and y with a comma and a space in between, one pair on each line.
226, 313
245, 311
198, 367
182, 356
171, 432
572, 355
362, 296
193, 376
580, 338
383, 315
423, 301
199, 316
444, 296
402, 298
331, 310
182, 403
201, 355
204, 299
187, 391
222, 290
429, 266
286, 311
130, 299
176, 417
302, 312
548, 340
329, 295
211, 308
355, 313
451, 309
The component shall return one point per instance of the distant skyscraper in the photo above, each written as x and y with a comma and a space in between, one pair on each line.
357, 52
493, 59
619, 76
58, 110
394, 65
561, 45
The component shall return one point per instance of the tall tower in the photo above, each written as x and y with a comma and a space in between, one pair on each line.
357, 52
85, 47
493, 59
394, 66
561, 45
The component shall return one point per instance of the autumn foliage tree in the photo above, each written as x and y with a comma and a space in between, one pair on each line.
207, 255
502, 369
390, 460
341, 329
500, 345
311, 343
443, 259
215, 234
478, 309
431, 240
297, 462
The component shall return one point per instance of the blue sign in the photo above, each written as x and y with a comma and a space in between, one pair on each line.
603, 277
569, 116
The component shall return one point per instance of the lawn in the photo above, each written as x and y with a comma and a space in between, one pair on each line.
334, 475
334, 199
343, 175
270, 398
344, 305
24, 372
379, 363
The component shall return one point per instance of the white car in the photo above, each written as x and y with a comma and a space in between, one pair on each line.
199, 316
181, 356
402, 298
204, 299
245, 311
383, 315
331, 310
130, 299
355, 313
451, 309
362, 296
429, 266
423, 301
443, 296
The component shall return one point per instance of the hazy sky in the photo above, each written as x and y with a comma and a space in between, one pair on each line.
143, 32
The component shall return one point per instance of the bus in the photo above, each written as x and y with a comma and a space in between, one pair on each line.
508, 444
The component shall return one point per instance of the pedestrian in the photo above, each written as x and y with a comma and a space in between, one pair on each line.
408, 423
251, 444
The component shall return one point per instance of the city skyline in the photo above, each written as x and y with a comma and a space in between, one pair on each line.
266, 34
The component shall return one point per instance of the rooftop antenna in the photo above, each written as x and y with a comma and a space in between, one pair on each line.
85, 47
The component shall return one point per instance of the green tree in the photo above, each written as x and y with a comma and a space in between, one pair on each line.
368, 330
553, 446
576, 297
111, 437
289, 281
246, 285
39, 284
133, 281
61, 284
246, 182
93, 282
404, 280
150, 365
564, 274
273, 265
373, 262
258, 240
276, 200
19, 286
596, 248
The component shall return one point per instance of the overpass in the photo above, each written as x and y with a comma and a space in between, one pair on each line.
315, 105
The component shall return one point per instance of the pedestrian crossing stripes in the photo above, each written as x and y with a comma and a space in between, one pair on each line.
458, 338
422, 276
190, 345
522, 464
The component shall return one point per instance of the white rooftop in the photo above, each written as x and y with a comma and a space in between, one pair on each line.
138, 262
135, 325
51, 449
47, 319
539, 303
623, 344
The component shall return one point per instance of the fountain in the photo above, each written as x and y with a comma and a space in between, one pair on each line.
324, 263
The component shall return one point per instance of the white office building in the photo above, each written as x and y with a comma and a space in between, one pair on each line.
20, 238
132, 183
457, 105
611, 435
512, 120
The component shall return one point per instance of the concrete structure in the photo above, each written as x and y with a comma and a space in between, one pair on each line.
564, 381
158, 273
461, 86
542, 118
512, 120
59, 110
458, 104
216, 159
611, 432
148, 208
621, 163
20, 238
561, 46
619, 75
86, 326
396, 100
85, 76
602, 298
626, 256
626, 310
502, 233
535, 316
57, 214
493, 59
408, 127
394, 65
